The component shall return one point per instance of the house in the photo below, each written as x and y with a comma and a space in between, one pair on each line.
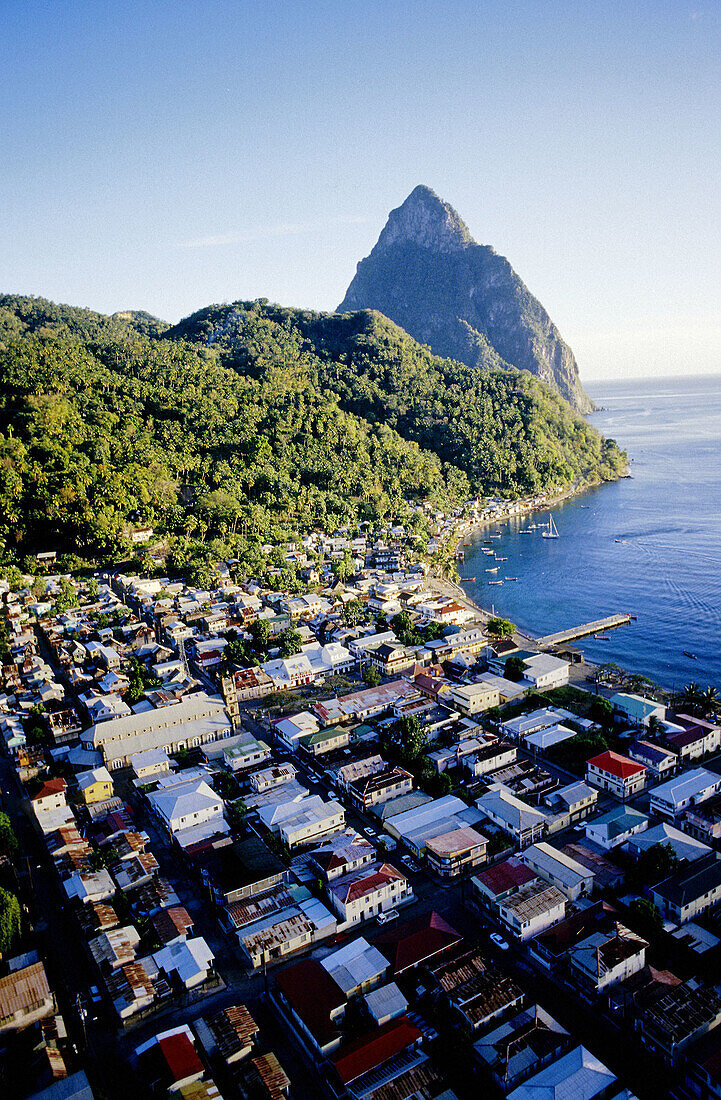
432, 819
268, 1078
115, 947
150, 763
239, 869
245, 753
312, 1004
524, 823
360, 705
521, 1047
610, 771
368, 891
489, 755
419, 941
325, 740
289, 731
275, 776
683, 845
189, 961
659, 761
578, 1074
357, 967
475, 698
570, 804
690, 890
95, 785
676, 1017
290, 672
383, 782
25, 997
684, 791
616, 827
450, 853
532, 909
696, 737
476, 993
310, 820
90, 886
169, 1061
189, 804
552, 865
494, 884
230, 1034
342, 854
605, 958
543, 671
379, 1055
50, 806
390, 660
636, 710
385, 1003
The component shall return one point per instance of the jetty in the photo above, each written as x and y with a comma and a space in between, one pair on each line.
583, 631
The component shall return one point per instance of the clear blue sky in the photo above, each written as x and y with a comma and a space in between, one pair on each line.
164, 155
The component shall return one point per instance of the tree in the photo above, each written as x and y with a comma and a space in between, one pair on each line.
260, 633
514, 669
343, 568
371, 676
8, 840
353, 612
645, 918
656, 864
289, 642
412, 737
10, 920
500, 628
601, 711
402, 626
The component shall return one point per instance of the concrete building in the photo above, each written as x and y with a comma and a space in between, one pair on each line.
558, 869
610, 771
683, 792
532, 909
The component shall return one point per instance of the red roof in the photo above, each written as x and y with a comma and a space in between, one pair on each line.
370, 1051
312, 994
181, 1056
369, 884
414, 941
615, 764
504, 876
53, 786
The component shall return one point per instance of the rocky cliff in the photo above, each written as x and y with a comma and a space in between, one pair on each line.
465, 301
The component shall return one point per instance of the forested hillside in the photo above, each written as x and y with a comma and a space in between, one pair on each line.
250, 422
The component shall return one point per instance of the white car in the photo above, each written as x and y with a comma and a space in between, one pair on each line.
497, 938
369, 832
386, 918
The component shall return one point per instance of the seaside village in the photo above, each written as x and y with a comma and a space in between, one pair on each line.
358, 844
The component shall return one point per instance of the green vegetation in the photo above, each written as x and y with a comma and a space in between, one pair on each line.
697, 701
500, 628
8, 840
10, 920
514, 668
251, 423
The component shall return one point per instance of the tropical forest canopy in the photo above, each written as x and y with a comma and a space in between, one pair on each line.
248, 423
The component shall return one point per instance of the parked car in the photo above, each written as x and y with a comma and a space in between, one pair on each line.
369, 832
497, 938
410, 863
387, 917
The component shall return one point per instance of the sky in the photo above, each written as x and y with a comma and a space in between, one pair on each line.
164, 155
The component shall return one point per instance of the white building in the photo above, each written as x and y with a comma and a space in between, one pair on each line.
372, 890
684, 791
603, 959
532, 909
544, 671
312, 820
571, 878
188, 804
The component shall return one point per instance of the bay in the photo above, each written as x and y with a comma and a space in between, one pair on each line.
649, 545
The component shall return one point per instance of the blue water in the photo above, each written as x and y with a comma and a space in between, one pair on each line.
666, 566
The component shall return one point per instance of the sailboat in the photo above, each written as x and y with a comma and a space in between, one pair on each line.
552, 532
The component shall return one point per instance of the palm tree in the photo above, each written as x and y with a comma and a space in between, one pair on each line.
689, 698
709, 701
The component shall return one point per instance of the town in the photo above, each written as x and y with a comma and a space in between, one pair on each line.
362, 842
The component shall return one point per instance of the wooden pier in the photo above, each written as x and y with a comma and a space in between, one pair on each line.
562, 636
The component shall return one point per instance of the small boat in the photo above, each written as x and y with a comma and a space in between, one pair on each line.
601, 637
552, 532
501, 559
510, 578
468, 578
494, 570
495, 582
691, 656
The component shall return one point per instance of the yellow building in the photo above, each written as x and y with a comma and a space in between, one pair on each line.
95, 785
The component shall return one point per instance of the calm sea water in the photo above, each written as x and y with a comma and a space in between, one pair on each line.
649, 545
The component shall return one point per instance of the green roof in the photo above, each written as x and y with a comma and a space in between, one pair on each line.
318, 738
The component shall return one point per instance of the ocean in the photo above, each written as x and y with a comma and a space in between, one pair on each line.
649, 545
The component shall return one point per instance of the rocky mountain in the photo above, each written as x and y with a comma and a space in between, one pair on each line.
460, 298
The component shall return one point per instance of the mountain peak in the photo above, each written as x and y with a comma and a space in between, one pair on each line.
463, 300
425, 220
